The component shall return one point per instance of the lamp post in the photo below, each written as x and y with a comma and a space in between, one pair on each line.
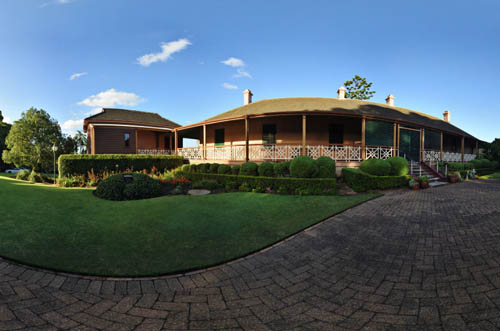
54, 150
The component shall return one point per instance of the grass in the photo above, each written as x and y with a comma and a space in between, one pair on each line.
69, 229
496, 175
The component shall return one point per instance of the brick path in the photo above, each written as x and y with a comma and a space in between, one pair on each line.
409, 260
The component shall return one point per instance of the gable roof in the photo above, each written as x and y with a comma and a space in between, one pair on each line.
132, 117
345, 106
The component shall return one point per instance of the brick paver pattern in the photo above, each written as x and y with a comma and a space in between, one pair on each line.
408, 260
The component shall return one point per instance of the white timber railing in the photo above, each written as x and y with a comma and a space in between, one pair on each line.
452, 157
336, 152
430, 155
380, 152
153, 151
191, 153
273, 152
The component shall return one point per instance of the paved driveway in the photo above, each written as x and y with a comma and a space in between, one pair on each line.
409, 260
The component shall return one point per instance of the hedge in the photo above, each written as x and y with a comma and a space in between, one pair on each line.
277, 184
81, 164
376, 167
360, 181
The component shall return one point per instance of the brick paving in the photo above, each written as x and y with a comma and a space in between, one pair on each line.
409, 260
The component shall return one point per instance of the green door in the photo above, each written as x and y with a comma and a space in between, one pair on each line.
409, 144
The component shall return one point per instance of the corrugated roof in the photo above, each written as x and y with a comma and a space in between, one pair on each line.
346, 106
132, 116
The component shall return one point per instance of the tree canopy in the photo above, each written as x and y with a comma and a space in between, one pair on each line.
31, 138
358, 88
80, 139
4, 131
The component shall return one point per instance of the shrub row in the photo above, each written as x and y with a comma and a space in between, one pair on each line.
75, 165
299, 167
285, 185
361, 181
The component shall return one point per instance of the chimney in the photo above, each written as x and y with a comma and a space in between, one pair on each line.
247, 97
446, 116
390, 100
341, 93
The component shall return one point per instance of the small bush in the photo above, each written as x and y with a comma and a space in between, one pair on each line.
399, 166
194, 168
266, 169
213, 168
248, 169
141, 187
23, 175
224, 169
326, 167
282, 169
245, 187
231, 185
235, 170
303, 167
36, 177
376, 167
259, 189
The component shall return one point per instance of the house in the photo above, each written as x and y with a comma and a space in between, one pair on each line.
346, 130
121, 131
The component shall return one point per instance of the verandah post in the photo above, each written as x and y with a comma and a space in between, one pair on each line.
394, 139
463, 148
422, 144
363, 144
204, 142
441, 150
304, 152
247, 156
176, 140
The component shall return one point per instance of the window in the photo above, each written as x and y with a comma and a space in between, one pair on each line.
379, 133
219, 137
336, 134
127, 139
269, 134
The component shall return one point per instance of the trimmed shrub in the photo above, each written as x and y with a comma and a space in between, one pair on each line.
399, 166
303, 167
266, 169
203, 168
186, 167
235, 170
23, 175
248, 169
81, 164
326, 167
206, 184
224, 169
360, 181
276, 184
376, 167
213, 168
194, 168
282, 169
141, 187
244, 187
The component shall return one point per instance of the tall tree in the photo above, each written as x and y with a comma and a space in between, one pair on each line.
358, 88
4, 131
80, 139
31, 138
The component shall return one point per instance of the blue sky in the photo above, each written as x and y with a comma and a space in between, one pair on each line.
189, 60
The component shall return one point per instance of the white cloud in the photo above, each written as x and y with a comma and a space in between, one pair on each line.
57, 2
7, 119
229, 86
71, 126
242, 73
234, 62
167, 49
94, 111
111, 98
77, 75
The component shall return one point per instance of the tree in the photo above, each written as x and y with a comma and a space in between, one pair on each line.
4, 131
80, 139
31, 138
358, 88
493, 150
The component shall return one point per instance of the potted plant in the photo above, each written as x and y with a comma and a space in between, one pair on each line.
423, 181
452, 178
413, 184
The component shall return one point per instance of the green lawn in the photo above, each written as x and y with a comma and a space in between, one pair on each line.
71, 230
496, 175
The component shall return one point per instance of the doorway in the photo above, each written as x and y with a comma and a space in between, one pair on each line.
409, 144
